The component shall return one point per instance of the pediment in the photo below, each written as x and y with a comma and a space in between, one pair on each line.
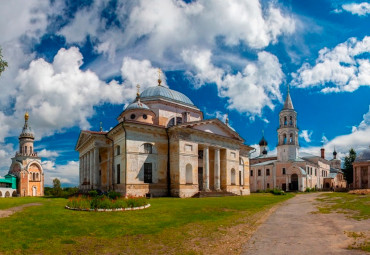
213, 126
84, 136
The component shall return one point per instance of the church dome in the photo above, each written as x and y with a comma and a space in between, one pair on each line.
27, 130
364, 156
137, 105
263, 142
160, 91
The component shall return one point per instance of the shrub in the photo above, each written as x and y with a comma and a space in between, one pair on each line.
104, 202
93, 193
277, 191
114, 195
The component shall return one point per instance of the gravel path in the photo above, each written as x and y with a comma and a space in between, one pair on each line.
293, 229
10, 211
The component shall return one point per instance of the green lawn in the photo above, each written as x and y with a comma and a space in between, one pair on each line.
169, 226
354, 206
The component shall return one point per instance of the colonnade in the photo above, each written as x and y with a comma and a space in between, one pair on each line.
89, 169
217, 169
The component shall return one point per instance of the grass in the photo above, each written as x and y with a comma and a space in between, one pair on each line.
9, 202
169, 226
354, 206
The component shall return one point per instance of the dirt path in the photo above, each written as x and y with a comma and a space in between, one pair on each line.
10, 211
293, 229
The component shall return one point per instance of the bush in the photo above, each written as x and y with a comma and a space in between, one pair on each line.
93, 193
114, 195
104, 202
277, 191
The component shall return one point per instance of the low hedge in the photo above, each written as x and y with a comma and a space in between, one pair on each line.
104, 202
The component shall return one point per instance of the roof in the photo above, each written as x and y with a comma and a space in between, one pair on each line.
265, 156
263, 141
288, 104
270, 162
137, 105
166, 93
363, 156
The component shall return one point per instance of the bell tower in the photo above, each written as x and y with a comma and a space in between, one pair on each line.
288, 146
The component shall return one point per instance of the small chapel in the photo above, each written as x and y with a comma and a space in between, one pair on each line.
163, 146
26, 165
290, 169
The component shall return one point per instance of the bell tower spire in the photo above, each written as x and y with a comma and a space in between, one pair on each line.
288, 146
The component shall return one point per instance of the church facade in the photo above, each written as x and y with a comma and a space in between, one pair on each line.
162, 146
291, 170
26, 165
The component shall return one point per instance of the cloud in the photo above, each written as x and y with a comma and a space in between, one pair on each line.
360, 9
259, 81
306, 135
44, 153
68, 174
359, 139
343, 68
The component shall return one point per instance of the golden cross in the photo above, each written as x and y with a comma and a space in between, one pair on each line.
138, 89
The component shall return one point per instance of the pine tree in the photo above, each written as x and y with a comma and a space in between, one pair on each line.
348, 168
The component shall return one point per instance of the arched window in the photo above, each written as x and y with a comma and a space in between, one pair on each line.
189, 174
291, 138
178, 120
284, 139
118, 150
14, 194
291, 120
1, 194
232, 176
30, 149
171, 123
148, 148
37, 176
25, 149
34, 176
285, 121
7, 194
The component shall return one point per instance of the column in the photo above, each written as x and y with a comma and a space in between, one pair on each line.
80, 171
217, 170
206, 168
92, 167
287, 182
85, 169
359, 170
96, 170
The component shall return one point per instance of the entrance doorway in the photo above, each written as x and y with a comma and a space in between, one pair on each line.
284, 186
34, 191
200, 178
294, 184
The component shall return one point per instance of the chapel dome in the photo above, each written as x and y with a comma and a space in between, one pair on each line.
27, 130
160, 91
263, 142
363, 156
137, 105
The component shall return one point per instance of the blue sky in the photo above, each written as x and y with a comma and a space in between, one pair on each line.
74, 64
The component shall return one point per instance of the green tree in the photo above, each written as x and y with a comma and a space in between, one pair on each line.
3, 63
57, 189
348, 168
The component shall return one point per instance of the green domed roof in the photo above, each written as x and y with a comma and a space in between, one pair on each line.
158, 92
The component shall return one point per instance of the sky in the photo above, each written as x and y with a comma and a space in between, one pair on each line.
74, 64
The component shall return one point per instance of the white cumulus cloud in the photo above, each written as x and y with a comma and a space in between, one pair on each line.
343, 68
306, 135
360, 9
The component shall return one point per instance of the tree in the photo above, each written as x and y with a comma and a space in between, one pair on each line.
3, 63
57, 190
348, 167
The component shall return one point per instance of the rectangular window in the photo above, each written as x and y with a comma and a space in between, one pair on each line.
118, 150
267, 171
251, 172
284, 171
188, 147
148, 173
268, 185
233, 154
118, 173
315, 172
259, 172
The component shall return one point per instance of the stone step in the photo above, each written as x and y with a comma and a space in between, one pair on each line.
213, 194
